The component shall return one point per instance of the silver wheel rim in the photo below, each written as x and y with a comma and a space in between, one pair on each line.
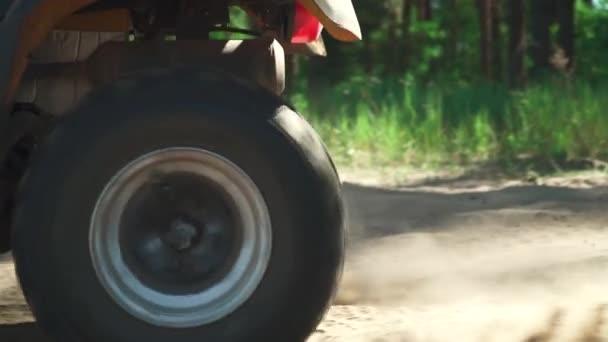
217, 300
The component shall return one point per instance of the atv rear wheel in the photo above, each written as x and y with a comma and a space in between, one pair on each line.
180, 206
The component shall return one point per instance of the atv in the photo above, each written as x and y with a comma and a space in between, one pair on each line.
154, 184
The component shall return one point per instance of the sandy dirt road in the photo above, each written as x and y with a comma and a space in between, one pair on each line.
455, 260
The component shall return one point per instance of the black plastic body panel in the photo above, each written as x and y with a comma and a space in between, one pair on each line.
8, 45
9, 32
4, 5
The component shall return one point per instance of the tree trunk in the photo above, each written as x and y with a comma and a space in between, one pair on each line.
496, 48
517, 43
425, 11
405, 43
543, 15
485, 22
566, 33
393, 60
454, 29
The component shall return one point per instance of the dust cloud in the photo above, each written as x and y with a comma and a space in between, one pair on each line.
517, 264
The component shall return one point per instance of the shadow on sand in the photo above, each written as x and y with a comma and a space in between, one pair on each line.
380, 212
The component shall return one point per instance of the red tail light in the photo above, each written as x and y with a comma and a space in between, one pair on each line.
307, 28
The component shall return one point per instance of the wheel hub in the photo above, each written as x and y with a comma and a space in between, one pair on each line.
179, 233
180, 237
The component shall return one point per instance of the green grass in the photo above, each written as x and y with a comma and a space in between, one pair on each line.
390, 122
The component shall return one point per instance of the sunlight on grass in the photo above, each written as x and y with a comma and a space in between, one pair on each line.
393, 123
